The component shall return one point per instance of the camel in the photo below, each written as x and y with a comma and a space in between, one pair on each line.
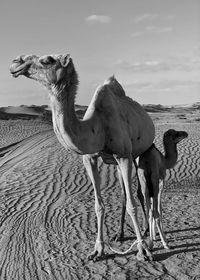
114, 128
152, 166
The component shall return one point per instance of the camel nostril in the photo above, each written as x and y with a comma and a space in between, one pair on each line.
18, 59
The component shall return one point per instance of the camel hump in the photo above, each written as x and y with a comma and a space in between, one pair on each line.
115, 86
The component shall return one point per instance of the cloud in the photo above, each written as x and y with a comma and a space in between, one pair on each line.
166, 92
171, 64
145, 17
156, 29
98, 19
152, 29
144, 66
152, 17
161, 85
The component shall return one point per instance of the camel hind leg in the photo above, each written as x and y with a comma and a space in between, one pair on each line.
125, 165
142, 198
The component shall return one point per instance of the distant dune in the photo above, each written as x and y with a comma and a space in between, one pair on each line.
47, 216
24, 112
32, 112
27, 112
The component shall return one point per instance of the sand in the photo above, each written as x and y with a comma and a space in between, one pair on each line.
47, 217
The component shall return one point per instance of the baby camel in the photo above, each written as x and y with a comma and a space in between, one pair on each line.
152, 166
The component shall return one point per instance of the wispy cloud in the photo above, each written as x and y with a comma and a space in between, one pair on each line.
145, 17
98, 19
150, 66
156, 29
144, 66
152, 17
152, 29
162, 84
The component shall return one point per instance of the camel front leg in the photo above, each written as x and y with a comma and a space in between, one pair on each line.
125, 165
90, 164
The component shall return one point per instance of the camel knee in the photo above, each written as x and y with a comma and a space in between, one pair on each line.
131, 209
150, 214
99, 208
156, 215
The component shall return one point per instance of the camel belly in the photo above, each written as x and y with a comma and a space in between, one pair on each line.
125, 143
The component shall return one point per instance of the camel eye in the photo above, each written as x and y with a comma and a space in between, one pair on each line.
47, 60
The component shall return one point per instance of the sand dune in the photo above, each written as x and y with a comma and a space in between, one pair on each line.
47, 218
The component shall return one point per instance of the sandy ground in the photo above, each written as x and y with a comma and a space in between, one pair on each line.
47, 218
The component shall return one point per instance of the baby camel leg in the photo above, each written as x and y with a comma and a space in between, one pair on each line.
156, 216
120, 235
161, 187
90, 164
143, 195
151, 225
125, 165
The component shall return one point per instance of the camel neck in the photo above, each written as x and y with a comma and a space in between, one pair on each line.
65, 122
73, 133
171, 154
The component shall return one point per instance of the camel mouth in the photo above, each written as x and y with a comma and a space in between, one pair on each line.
18, 69
182, 135
16, 73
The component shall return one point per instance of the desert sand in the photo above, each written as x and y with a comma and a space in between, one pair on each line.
47, 217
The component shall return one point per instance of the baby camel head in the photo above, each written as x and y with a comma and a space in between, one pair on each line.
174, 136
50, 70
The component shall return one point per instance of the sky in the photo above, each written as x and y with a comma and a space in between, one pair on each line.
151, 46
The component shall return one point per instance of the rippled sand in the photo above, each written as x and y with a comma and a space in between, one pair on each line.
47, 218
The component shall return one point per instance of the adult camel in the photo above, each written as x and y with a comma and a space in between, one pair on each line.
114, 127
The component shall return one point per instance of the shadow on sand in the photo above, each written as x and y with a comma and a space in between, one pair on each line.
177, 249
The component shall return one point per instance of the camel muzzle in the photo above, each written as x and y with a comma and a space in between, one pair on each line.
19, 68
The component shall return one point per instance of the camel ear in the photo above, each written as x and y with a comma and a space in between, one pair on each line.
65, 59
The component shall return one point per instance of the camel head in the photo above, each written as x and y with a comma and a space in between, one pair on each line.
174, 136
50, 70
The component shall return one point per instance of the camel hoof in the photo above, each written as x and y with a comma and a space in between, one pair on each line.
95, 257
167, 247
144, 253
92, 256
149, 245
141, 257
144, 256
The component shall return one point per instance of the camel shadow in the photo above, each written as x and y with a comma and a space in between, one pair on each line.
182, 230
183, 248
177, 249
132, 236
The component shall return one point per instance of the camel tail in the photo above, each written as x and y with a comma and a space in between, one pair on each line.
115, 86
